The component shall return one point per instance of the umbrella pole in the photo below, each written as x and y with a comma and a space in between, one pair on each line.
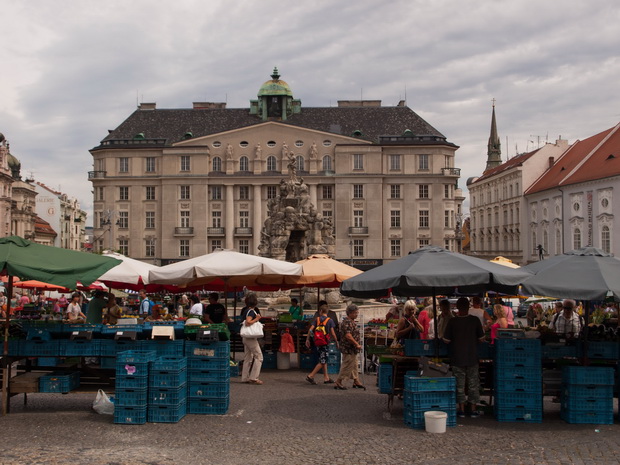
5, 362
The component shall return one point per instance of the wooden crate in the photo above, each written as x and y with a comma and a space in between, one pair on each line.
25, 383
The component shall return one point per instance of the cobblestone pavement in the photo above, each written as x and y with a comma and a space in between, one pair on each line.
288, 421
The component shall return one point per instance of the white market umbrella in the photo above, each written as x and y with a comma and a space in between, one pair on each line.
225, 269
129, 274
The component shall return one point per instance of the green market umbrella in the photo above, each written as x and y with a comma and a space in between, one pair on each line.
63, 267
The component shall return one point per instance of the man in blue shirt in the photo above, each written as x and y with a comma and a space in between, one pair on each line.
146, 305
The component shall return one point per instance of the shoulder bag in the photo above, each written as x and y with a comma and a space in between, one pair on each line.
254, 330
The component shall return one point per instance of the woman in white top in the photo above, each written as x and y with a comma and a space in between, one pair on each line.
74, 309
196, 310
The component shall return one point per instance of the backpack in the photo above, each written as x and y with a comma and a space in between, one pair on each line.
321, 336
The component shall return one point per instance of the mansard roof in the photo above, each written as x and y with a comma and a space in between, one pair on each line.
164, 127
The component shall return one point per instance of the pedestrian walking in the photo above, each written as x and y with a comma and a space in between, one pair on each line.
350, 346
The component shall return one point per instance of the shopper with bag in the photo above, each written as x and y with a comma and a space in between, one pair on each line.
253, 359
322, 332
350, 345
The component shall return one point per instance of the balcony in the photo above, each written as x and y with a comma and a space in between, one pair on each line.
216, 231
96, 174
358, 231
451, 171
243, 232
183, 231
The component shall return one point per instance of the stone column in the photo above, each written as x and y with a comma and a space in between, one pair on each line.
257, 218
313, 195
229, 221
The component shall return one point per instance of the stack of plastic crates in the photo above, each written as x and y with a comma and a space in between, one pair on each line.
132, 377
208, 385
587, 395
333, 359
384, 378
167, 396
518, 380
428, 394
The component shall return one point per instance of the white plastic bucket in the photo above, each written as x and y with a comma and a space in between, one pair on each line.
435, 421
284, 361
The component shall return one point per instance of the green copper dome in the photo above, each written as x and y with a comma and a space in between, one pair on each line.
275, 86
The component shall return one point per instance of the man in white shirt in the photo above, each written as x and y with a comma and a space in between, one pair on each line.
477, 310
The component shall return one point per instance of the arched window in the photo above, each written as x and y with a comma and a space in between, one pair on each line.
577, 238
300, 163
217, 164
545, 240
272, 163
327, 163
605, 239
558, 242
244, 164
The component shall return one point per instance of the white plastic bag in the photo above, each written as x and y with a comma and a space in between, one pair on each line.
103, 404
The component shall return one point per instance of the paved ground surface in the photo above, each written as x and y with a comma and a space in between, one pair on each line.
288, 421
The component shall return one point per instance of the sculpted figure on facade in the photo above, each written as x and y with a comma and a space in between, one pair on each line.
314, 153
229, 152
258, 152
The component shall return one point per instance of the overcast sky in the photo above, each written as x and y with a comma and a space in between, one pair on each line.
72, 69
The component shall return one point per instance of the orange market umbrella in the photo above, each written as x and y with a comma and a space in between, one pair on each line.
504, 261
33, 284
322, 270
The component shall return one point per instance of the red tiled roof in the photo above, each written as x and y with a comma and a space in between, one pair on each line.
43, 227
596, 157
514, 161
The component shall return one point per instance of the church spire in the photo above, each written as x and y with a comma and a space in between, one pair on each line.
494, 150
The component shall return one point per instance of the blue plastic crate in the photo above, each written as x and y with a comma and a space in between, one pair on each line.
593, 404
74, 328
307, 361
531, 346
602, 350
127, 369
59, 382
171, 378
38, 348
586, 417
37, 334
136, 356
270, 362
208, 363
167, 413
165, 347
219, 349
48, 361
526, 400
128, 397
519, 414
333, 368
518, 372
111, 330
415, 418
517, 359
167, 395
588, 376
126, 345
384, 378
333, 359
200, 406
420, 383
79, 348
234, 371
131, 415
332, 348
132, 381
532, 386
593, 391
419, 347
107, 363
208, 390
429, 400
168, 363
197, 375
552, 351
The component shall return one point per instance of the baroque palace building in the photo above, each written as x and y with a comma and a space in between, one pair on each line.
170, 184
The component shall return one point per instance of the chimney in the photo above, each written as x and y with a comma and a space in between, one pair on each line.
147, 106
209, 105
551, 162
